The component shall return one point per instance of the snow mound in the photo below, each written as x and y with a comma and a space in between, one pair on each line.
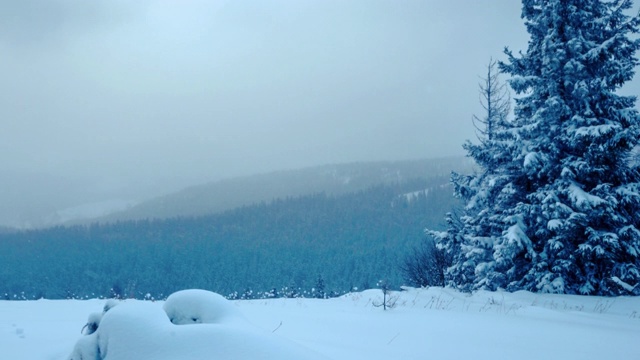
199, 307
145, 330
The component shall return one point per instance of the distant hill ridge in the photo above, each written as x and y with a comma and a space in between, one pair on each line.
219, 196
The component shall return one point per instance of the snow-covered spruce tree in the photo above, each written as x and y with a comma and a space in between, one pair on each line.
468, 241
568, 210
576, 227
580, 215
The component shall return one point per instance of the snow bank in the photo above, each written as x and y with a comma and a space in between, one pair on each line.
216, 329
200, 307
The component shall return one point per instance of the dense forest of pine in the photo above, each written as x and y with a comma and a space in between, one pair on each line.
313, 245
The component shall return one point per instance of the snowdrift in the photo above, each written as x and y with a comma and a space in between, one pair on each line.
192, 325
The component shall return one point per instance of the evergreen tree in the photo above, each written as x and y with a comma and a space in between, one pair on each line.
495, 100
563, 211
468, 241
319, 290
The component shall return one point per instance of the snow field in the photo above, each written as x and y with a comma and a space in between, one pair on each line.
425, 323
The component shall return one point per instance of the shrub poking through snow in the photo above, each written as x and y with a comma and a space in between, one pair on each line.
388, 301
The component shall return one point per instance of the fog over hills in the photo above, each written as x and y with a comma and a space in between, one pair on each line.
335, 179
110, 103
76, 204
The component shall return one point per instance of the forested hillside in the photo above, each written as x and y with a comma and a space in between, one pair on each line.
337, 179
330, 243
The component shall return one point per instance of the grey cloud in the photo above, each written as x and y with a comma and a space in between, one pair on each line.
27, 23
143, 97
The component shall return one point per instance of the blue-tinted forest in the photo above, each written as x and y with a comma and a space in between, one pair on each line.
287, 247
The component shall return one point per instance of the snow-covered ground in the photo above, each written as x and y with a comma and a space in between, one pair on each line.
430, 323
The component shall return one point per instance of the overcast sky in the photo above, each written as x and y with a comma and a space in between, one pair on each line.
116, 97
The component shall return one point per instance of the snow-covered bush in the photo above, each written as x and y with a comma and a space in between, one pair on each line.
199, 307
144, 330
